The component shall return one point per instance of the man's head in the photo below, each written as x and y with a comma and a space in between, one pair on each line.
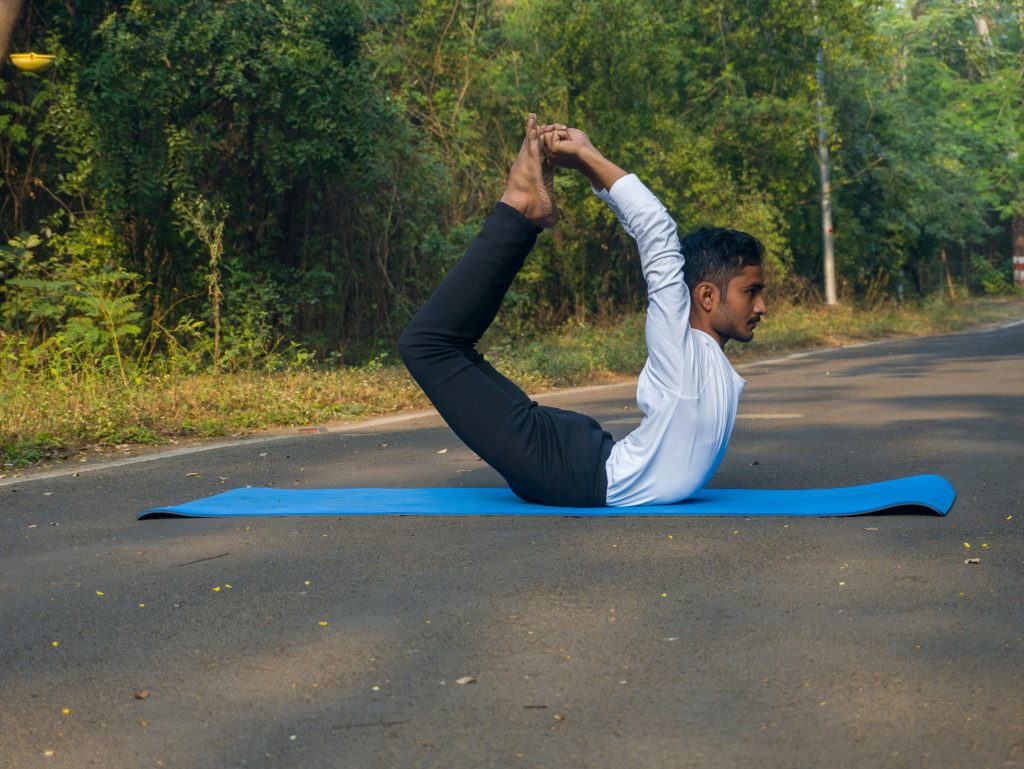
726, 281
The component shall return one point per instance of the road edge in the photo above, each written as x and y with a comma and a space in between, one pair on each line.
365, 425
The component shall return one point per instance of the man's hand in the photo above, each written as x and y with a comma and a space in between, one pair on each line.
567, 147
571, 148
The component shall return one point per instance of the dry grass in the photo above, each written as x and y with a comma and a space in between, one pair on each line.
42, 417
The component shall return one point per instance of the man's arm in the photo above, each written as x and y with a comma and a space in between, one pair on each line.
647, 221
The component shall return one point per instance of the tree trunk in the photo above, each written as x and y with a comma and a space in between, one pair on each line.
10, 10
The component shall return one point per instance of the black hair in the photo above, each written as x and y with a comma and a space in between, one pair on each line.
718, 254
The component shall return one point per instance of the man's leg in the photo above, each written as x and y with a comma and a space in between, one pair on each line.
468, 299
543, 454
439, 345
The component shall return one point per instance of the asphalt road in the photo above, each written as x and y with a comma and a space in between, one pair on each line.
614, 642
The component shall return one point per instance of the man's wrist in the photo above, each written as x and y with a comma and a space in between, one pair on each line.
604, 173
590, 162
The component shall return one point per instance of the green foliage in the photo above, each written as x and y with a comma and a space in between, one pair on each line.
75, 306
256, 184
930, 130
30, 450
207, 222
94, 315
987, 279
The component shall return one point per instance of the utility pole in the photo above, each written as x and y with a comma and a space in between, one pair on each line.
1017, 223
823, 170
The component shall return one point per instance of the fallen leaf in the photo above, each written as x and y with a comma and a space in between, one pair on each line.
141, 694
465, 680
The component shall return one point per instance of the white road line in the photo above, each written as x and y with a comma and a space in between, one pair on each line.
635, 421
1011, 324
875, 343
351, 429
769, 416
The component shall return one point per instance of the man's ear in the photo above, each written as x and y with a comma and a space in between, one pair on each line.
705, 294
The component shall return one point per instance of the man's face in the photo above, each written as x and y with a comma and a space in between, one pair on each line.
736, 315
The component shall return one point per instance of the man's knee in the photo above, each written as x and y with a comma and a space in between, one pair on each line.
411, 344
419, 339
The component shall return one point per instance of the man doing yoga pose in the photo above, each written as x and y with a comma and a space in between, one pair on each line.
687, 391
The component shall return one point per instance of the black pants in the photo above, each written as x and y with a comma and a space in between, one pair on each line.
546, 455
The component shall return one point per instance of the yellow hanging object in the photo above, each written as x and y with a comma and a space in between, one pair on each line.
32, 62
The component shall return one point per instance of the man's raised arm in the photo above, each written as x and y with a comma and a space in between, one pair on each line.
647, 221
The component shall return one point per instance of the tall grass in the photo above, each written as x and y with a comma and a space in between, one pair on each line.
46, 414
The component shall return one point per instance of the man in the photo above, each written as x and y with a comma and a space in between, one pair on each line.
688, 391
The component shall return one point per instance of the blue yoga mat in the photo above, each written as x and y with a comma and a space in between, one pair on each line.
931, 493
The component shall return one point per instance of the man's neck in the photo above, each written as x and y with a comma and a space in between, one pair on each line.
701, 323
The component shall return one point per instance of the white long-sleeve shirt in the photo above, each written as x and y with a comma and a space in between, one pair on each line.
688, 391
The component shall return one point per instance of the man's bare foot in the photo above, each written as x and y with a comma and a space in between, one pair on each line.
528, 191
